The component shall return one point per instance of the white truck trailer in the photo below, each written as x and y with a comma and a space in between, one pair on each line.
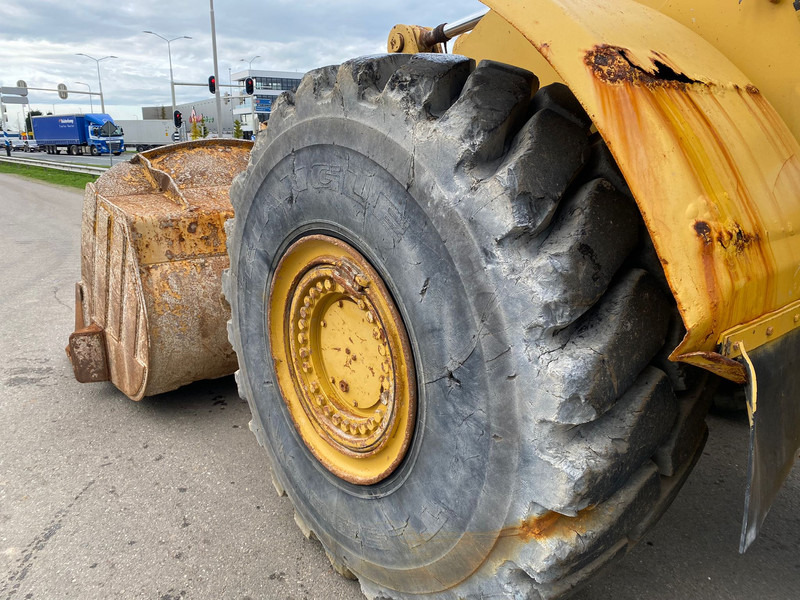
147, 133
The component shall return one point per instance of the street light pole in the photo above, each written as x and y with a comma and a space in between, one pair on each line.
252, 99
230, 94
91, 103
169, 52
216, 69
99, 81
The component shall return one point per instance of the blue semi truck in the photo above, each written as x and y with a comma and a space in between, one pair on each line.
94, 133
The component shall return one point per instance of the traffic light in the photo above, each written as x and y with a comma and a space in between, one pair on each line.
212, 84
177, 118
248, 86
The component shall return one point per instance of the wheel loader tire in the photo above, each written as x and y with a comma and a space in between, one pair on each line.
539, 416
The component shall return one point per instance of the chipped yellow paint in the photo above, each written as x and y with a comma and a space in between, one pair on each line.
762, 38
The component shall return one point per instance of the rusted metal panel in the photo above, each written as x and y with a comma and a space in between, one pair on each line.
761, 38
187, 316
153, 252
713, 167
87, 351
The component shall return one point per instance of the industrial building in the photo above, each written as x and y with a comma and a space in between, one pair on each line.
236, 105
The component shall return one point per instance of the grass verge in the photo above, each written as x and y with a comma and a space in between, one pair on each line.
76, 180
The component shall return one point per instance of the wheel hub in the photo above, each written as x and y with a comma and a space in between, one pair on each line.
343, 359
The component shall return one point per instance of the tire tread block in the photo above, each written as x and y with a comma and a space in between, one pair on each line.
586, 464
560, 99
573, 543
575, 264
688, 432
544, 158
598, 359
487, 113
427, 88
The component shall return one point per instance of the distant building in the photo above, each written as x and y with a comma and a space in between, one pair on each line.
206, 108
268, 86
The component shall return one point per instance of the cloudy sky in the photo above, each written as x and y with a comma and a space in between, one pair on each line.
40, 39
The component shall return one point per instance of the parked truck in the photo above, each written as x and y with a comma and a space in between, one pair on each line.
21, 141
95, 133
478, 300
146, 134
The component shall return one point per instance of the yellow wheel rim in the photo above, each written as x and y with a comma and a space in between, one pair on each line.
342, 359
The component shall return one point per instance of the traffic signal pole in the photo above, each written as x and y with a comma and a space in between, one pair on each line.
216, 70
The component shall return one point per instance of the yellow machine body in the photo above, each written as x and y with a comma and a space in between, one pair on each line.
150, 315
699, 103
702, 117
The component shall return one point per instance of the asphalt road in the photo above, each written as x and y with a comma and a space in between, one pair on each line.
170, 498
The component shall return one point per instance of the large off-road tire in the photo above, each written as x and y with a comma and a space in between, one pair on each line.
544, 438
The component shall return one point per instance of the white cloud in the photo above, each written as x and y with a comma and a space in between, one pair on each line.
39, 40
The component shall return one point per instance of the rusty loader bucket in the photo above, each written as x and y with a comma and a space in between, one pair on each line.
150, 315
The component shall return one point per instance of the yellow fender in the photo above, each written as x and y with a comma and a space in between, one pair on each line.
713, 167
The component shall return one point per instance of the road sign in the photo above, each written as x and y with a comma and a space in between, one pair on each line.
176, 136
15, 100
21, 83
263, 104
62, 91
14, 91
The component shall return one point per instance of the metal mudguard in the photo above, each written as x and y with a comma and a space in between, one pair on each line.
773, 392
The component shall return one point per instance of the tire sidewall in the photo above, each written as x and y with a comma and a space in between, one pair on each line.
456, 480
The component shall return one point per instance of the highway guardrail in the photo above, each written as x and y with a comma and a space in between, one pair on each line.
48, 164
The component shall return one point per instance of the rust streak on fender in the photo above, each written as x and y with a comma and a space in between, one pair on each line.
730, 273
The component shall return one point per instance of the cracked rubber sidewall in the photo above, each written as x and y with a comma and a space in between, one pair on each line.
454, 487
